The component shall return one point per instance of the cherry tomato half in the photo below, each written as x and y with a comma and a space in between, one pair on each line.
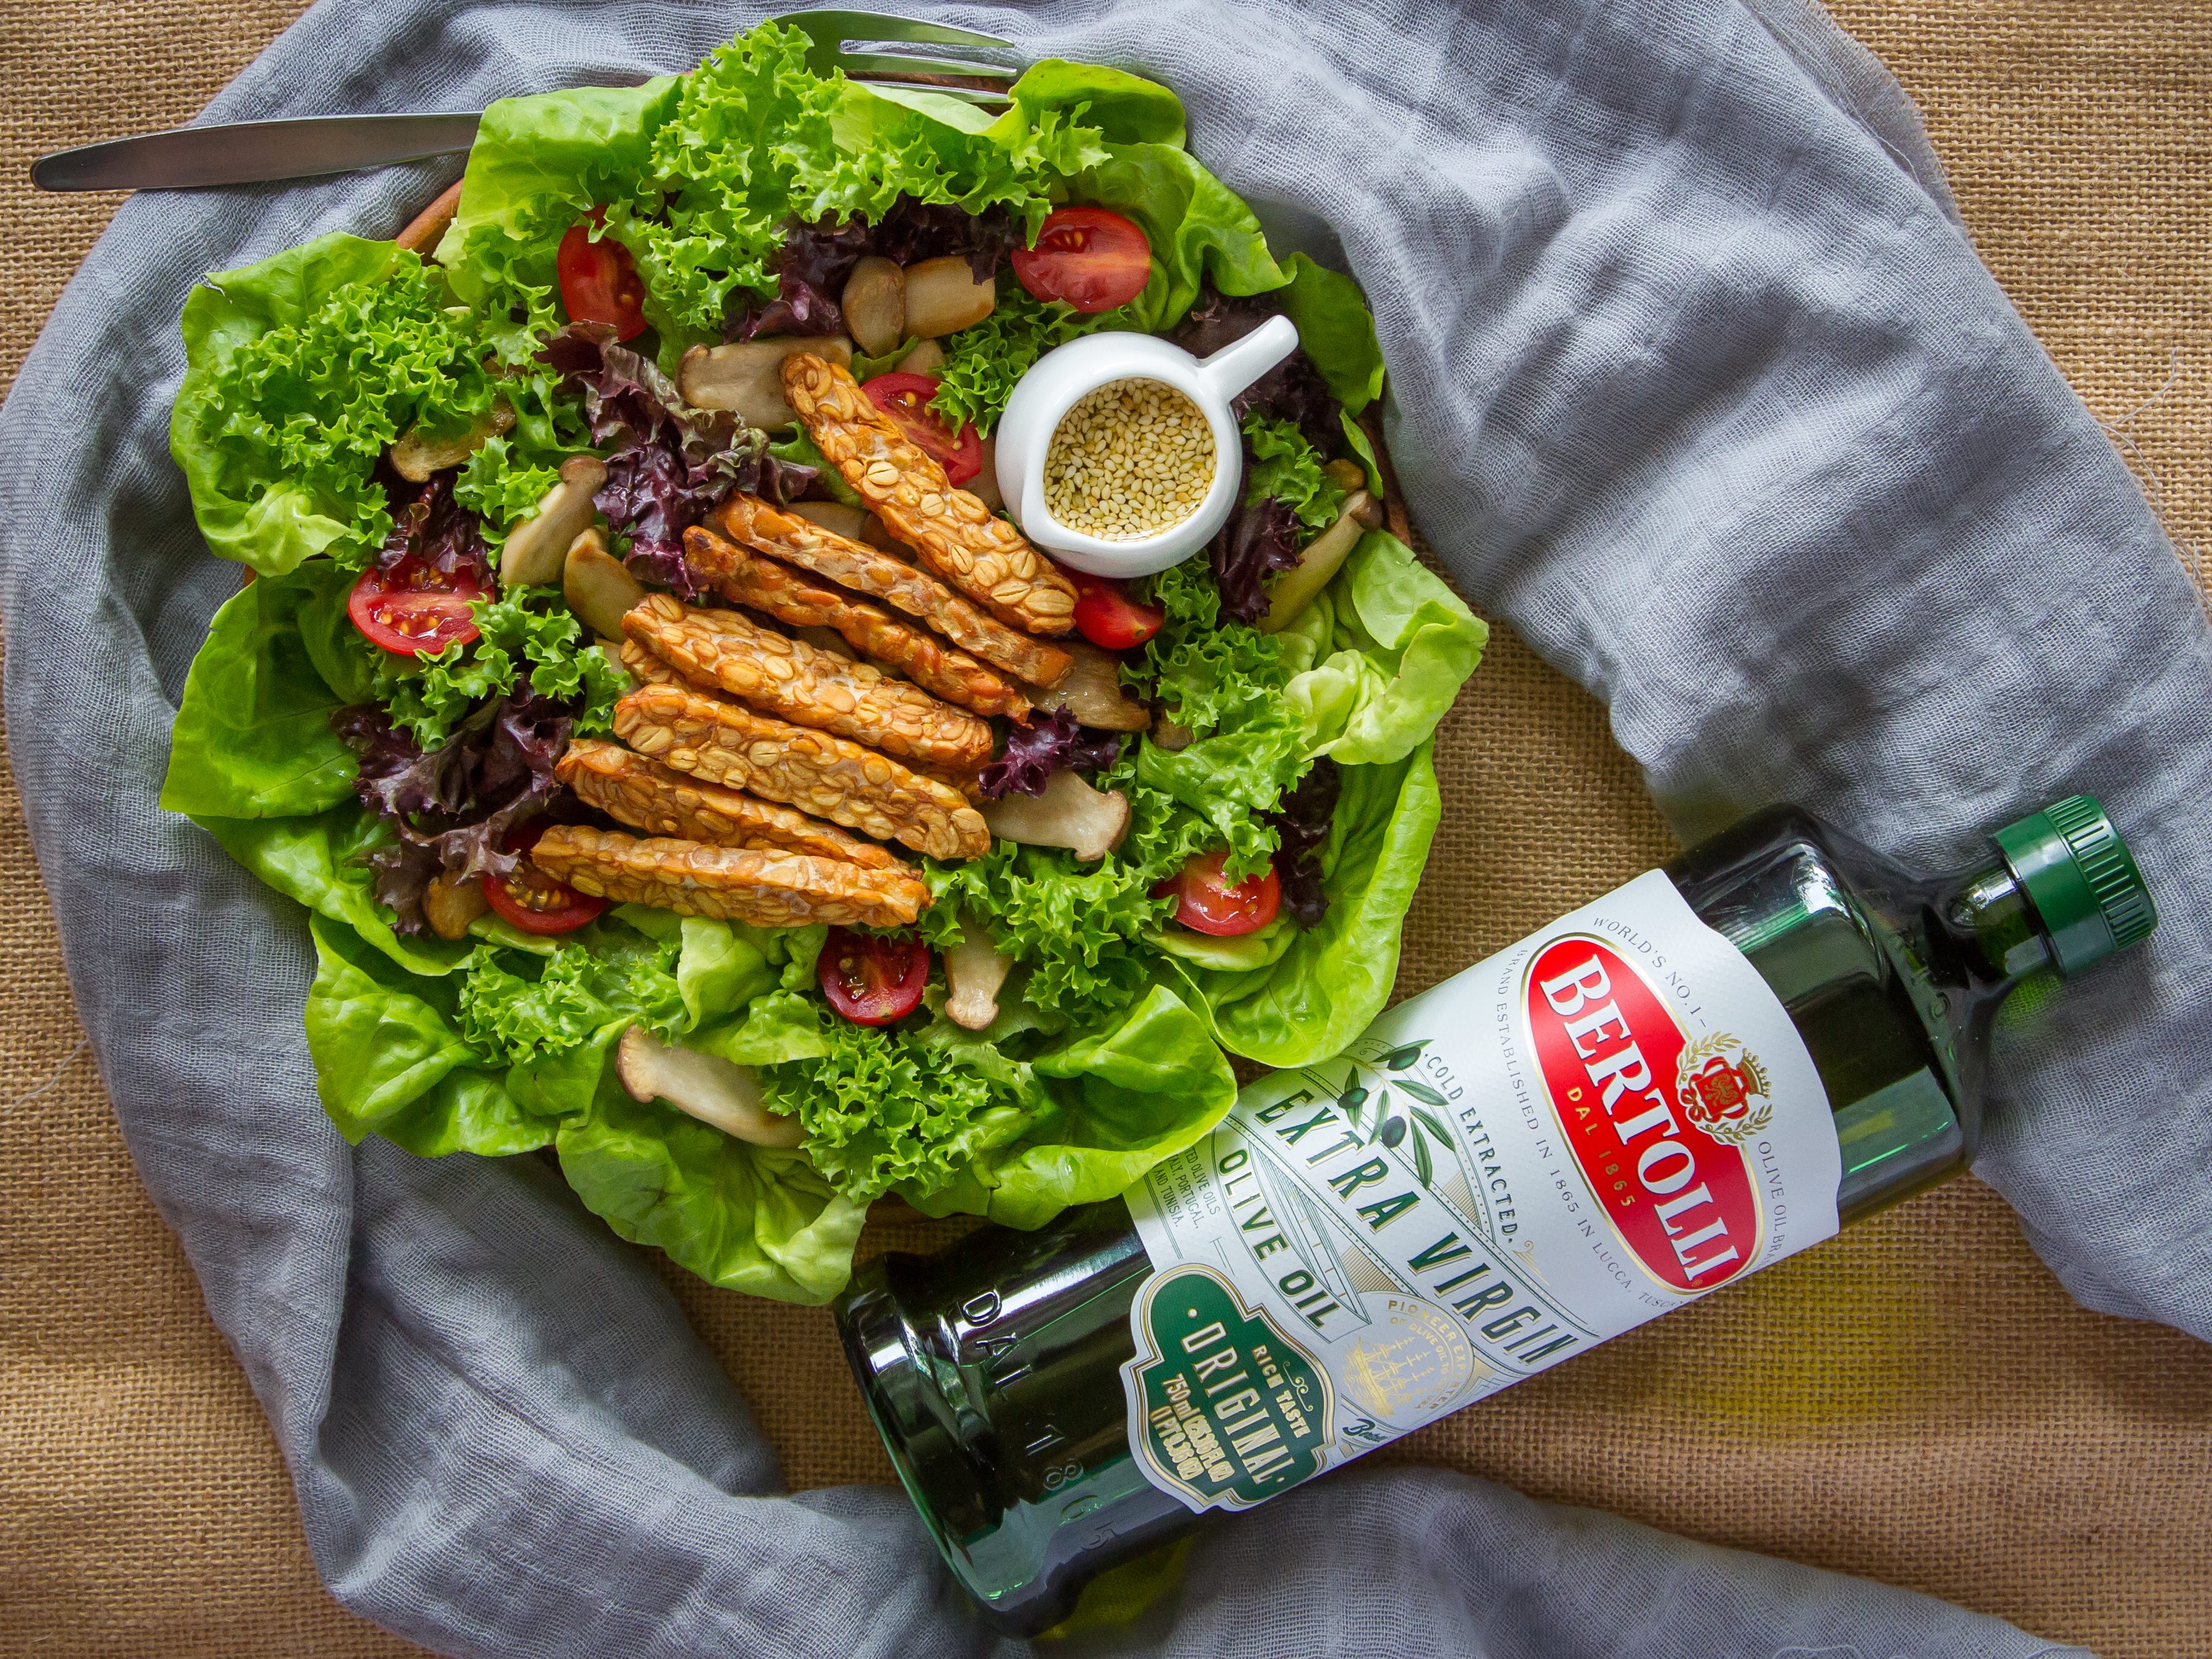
600, 281
1093, 259
1207, 903
1106, 616
533, 901
905, 398
412, 608
873, 979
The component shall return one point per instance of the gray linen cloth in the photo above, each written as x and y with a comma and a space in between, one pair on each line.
1699, 387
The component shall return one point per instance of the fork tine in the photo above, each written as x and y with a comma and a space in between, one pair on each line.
859, 64
834, 28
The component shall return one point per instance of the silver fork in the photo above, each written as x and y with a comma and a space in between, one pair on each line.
260, 152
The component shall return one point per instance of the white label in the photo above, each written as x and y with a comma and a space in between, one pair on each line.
1597, 1124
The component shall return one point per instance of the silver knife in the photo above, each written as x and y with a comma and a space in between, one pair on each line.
253, 152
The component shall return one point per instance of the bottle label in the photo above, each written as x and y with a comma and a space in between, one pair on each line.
1599, 1124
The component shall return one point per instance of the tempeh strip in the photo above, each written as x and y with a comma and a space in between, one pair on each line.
722, 650
662, 801
880, 575
818, 772
731, 884
957, 536
755, 581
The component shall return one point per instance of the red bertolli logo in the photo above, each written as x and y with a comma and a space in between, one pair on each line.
1657, 1123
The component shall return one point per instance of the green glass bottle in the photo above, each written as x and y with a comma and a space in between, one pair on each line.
1711, 1068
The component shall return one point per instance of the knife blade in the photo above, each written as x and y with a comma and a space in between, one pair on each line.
253, 152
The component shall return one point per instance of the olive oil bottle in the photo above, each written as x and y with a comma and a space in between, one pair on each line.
1706, 1070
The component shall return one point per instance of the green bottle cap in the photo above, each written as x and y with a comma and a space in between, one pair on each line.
2081, 879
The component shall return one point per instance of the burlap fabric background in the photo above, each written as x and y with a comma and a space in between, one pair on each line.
1917, 1402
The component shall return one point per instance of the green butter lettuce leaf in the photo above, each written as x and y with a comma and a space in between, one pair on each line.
1331, 981
253, 738
894, 141
1121, 1100
1400, 644
1126, 108
245, 507
538, 165
390, 1058
1198, 227
316, 860
745, 1218
1338, 332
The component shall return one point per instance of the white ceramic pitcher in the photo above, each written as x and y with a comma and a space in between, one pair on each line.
1063, 378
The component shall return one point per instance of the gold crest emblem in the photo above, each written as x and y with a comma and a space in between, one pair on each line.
1721, 1089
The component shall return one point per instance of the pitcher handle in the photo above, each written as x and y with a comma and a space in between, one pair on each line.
1239, 363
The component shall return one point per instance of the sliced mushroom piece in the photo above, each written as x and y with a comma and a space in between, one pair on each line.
850, 522
943, 297
927, 357
598, 586
705, 1086
537, 547
1172, 735
417, 454
746, 376
974, 968
874, 304
1070, 813
1348, 473
1091, 691
450, 903
1323, 558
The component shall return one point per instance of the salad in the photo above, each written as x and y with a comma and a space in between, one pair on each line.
686, 766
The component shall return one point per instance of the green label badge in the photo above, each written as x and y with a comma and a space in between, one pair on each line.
1233, 1411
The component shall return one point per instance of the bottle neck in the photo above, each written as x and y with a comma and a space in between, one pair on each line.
1993, 925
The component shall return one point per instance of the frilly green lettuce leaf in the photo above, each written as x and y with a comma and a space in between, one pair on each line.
524, 630
1287, 465
1399, 643
1076, 928
299, 370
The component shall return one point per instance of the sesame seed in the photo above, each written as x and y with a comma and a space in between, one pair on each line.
1130, 459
